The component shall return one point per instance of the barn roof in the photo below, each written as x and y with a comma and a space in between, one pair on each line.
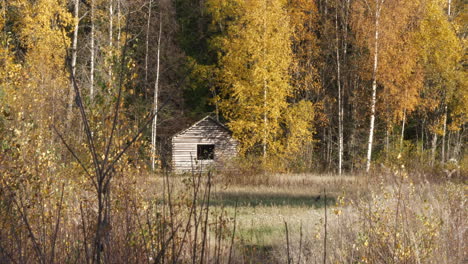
208, 117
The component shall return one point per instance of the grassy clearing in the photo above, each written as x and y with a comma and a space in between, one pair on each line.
390, 217
263, 209
385, 218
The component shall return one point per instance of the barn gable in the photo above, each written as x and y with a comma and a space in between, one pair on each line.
207, 143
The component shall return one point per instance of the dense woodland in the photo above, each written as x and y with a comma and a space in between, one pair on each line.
337, 85
94, 89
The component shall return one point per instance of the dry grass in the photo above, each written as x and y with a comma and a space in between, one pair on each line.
384, 218
387, 217
379, 219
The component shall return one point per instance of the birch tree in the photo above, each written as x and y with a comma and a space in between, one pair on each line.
255, 81
305, 76
155, 103
340, 103
111, 39
92, 52
371, 11
392, 60
441, 53
71, 94
255, 73
148, 24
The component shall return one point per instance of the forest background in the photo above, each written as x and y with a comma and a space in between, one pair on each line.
336, 86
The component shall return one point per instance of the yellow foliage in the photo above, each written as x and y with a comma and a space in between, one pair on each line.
398, 70
441, 52
304, 21
254, 76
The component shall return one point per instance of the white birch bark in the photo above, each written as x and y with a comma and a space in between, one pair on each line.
111, 36
4, 8
443, 135
91, 72
458, 144
340, 110
352, 138
118, 24
147, 40
156, 92
387, 140
71, 95
449, 144
434, 147
449, 7
265, 120
422, 135
345, 50
374, 85
402, 137
265, 95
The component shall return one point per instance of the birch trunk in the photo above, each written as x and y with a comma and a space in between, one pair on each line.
148, 24
111, 36
458, 144
119, 30
330, 148
352, 136
449, 144
449, 7
216, 103
340, 110
374, 88
91, 73
433, 150
345, 49
156, 92
443, 135
422, 135
402, 137
71, 95
387, 141
4, 9
265, 120
265, 95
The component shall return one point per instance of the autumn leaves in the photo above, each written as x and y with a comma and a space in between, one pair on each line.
273, 77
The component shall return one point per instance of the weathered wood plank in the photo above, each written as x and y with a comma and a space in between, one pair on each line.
203, 132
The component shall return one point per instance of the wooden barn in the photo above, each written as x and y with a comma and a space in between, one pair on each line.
205, 144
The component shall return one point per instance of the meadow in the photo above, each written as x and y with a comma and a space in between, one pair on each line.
390, 217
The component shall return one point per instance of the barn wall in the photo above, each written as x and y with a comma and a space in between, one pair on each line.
184, 145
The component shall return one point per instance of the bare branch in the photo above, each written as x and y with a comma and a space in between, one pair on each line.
117, 103
74, 155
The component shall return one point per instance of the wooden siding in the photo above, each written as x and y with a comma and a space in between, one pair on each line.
205, 131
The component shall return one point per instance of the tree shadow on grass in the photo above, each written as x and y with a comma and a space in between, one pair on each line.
257, 253
269, 199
